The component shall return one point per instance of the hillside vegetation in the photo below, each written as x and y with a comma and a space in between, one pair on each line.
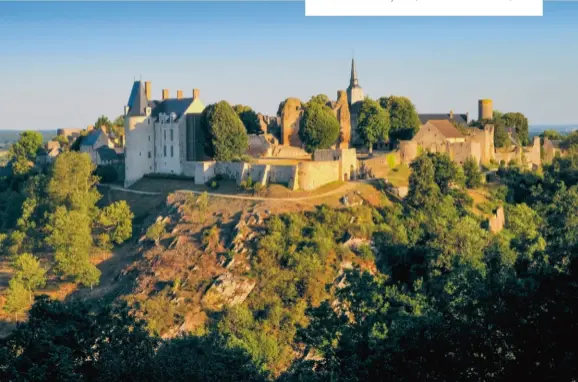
418, 289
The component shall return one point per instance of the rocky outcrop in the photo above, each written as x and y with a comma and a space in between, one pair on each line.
290, 119
228, 290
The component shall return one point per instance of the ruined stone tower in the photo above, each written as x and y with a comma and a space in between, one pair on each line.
485, 109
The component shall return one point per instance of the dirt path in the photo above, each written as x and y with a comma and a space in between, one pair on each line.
345, 187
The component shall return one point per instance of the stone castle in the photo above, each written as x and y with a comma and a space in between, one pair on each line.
164, 136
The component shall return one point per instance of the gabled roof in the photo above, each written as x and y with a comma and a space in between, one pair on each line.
107, 154
91, 138
460, 118
446, 128
171, 105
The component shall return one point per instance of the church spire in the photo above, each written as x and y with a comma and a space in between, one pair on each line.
353, 81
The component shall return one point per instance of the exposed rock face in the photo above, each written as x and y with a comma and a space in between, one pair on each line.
290, 118
341, 111
228, 290
497, 221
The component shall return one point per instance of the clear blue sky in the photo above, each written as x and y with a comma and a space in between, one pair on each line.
63, 64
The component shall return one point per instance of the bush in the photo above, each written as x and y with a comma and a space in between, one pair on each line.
155, 232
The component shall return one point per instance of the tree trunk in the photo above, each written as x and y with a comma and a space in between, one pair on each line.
371, 149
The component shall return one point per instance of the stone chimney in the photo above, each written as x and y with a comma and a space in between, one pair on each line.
148, 90
451, 114
165, 94
195, 94
179, 94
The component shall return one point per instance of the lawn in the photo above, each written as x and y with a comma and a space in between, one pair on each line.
399, 176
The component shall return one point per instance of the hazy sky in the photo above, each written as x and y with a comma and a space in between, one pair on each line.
63, 64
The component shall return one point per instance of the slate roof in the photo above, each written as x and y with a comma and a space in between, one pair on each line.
137, 101
460, 118
91, 138
171, 105
107, 154
446, 128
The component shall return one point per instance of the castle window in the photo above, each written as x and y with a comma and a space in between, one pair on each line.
165, 134
172, 151
149, 154
165, 150
171, 134
149, 138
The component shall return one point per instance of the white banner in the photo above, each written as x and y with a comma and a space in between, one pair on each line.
424, 8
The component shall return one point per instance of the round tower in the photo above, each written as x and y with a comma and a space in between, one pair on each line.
485, 109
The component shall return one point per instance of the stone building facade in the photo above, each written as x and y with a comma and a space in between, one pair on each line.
162, 136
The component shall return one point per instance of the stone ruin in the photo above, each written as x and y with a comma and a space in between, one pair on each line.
290, 119
341, 110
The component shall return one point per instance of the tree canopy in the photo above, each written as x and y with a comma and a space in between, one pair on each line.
249, 118
318, 128
373, 123
404, 120
226, 135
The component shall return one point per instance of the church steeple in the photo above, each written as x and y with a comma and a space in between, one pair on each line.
354, 91
353, 81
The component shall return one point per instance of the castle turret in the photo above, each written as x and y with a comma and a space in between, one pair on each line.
485, 109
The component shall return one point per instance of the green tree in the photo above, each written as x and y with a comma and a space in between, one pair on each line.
321, 99
27, 145
155, 232
70, 237
78, 342
423, 191
447, 172
72, 183
249, 118
373, 123
225, 132
103, 123
519, 123
116, 219
23, 152
318, 128
552, 135
404, 120
29, 271
472, 173
18, 298
203, 359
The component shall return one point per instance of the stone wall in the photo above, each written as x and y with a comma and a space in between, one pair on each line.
485, 137
460, 151
312, 175
507, 155
532, 154
347, 158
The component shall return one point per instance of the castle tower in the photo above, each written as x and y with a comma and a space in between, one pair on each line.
485, 109
354, 91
